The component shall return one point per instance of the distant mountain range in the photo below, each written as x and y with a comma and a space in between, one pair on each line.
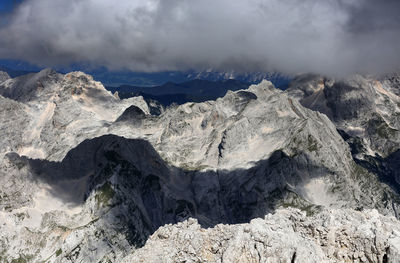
165, 87
14, 72
159, 78
195, 91
143, 79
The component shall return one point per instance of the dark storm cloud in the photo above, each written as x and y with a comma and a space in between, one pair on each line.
374, 15
333, 37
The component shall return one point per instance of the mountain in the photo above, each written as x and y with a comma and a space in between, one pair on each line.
16, 68
4, 76
142, 79
366, 111
180, 93
193, 87
253, 78
88, 177
14, 72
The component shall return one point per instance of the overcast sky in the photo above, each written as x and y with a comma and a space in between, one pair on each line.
332, 37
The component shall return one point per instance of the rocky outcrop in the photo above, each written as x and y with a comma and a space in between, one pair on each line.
363, 107
4, 76
366, 111
133, 113
59, 112
285, 236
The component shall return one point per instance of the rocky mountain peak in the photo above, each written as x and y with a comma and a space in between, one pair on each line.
46, 72
34, 86
361, 106
4, 76
82, 87
82, 79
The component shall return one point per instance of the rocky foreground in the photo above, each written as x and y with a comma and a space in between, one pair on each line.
261, 175
288, 235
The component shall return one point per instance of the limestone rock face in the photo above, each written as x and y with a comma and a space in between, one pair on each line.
60, 111
285, 236
366, 111
87, 177
363, 107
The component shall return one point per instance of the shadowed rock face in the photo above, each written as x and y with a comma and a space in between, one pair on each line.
133, 113
366, 111
126, 188
362, 107
163, 194
90, 177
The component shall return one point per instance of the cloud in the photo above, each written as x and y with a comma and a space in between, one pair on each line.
333, 37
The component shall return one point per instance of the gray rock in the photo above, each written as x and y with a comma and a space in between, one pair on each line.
285, 236
366, 111
4, 76
363, 107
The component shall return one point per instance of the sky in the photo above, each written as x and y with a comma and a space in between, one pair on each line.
330, 37
4, 5
8, 5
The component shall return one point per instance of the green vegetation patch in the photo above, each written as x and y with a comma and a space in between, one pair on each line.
384, 131
286, 198
23, 259
309, 209
381, 128
299, 144
313, 145
190, 167
104, 194
58, 252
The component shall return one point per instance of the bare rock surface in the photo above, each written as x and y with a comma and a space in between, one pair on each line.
4, 76
363, 107
285, 236
59, 112
366, 112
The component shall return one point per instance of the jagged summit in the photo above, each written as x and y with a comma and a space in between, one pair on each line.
360, 106
55, 105
31, 87
392, 82
4, 76
285, 236
46, 72
47, 83
133, 114
366, 112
